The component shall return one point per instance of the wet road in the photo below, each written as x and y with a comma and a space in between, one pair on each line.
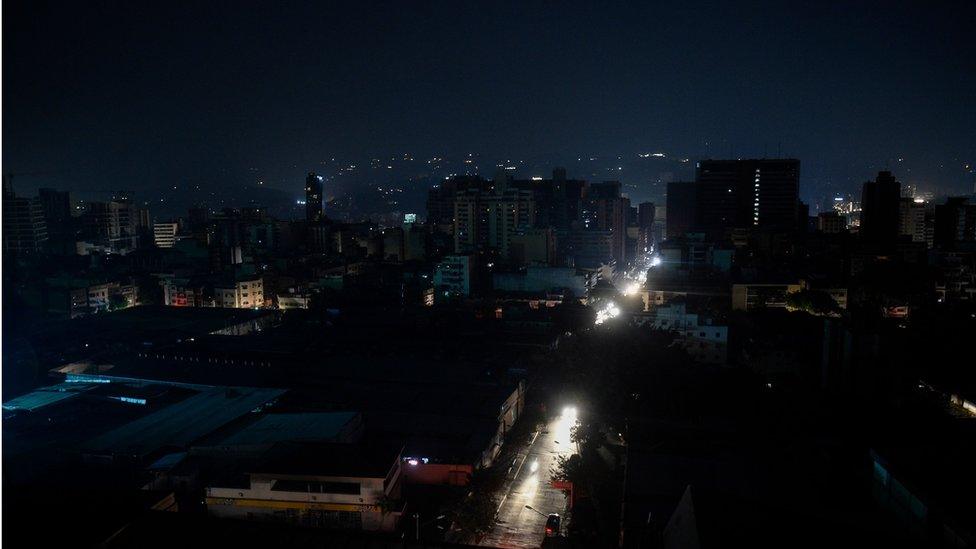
528, 484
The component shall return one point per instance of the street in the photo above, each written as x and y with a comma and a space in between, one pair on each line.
528, 484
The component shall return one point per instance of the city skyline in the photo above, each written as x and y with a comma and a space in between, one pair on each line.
145, 99
511, 275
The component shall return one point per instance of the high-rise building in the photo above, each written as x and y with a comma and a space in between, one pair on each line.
880, 210
681, 212
440, 199
955, 223
645, 226
490, 220
24, 228
313, 198
116, 224
57, 213
606, 210
558, 200
753, 193
911, 220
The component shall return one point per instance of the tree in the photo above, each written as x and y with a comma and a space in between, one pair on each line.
815, 302
475, 513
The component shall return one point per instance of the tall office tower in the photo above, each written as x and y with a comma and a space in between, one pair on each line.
117, 224
911, 218
56, 206
754, 193
645, 226
955, 223
490, 219
558, 200
606, 210
440, 199
681, 212
24, 229
313, 198
880, 209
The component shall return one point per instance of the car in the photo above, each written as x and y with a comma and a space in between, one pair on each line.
552, 525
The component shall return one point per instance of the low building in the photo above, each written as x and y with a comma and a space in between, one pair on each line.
546, 280
746, 297
327, 485
244, 293
831, 222
702, 339
73, 297
182, 292
453, 275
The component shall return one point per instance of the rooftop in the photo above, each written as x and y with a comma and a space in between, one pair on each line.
181, 423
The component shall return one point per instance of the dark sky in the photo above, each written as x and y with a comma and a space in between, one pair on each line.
142, 95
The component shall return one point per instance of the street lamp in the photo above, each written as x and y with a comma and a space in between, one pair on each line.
534, 510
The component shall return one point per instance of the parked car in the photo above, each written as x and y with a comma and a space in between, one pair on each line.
552, 525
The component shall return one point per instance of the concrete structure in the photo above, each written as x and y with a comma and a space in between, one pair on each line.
453, 275
955, 224
645, 226
691, 253
164, 234
760, 193
704, 341
589, 249
831, 223
180, 291
604, 209
177, 425
534, 247
73, 296
115, 224
294, 299
490, 220
244, 293
339, 486
746, 297
546, 280
880, 209
681, 211
24, 226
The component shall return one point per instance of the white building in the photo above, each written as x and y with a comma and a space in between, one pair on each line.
704, 341
164, 234
243, 294
294, 299
336, 486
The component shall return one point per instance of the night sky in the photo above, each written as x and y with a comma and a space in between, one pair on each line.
142, 96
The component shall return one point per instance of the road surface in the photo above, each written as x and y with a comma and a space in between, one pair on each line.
528, 484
